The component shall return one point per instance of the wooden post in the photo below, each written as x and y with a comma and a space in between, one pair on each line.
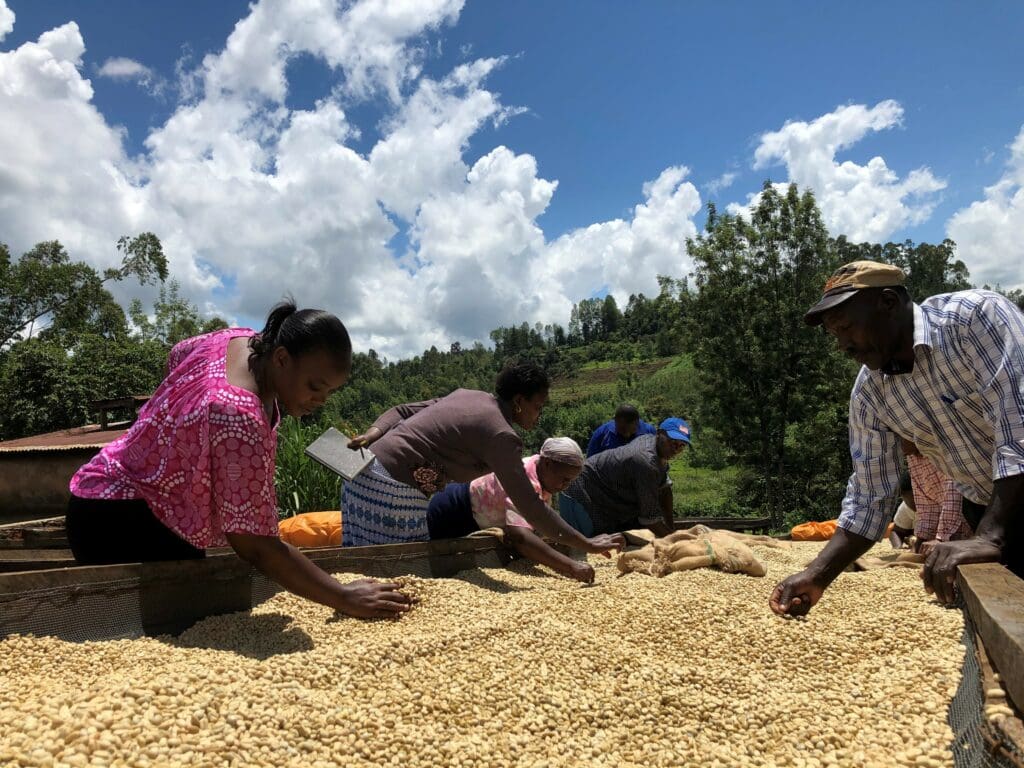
103, 407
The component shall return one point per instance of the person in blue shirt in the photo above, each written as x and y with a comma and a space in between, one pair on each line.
626, 425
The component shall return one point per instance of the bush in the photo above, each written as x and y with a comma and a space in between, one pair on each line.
577, 420
303, 485
709, 450
730, 508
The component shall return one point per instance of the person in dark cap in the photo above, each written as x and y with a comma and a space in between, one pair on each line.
626, 425
627, 487
946, 374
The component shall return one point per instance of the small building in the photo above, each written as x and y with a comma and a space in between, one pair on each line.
35, 471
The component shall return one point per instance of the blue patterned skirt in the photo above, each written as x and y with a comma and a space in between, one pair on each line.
377, 509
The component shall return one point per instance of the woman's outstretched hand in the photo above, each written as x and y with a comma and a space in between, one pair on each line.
606, 543
369, 599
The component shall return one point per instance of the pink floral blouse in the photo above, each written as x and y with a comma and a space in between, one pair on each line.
201, 453
492, 508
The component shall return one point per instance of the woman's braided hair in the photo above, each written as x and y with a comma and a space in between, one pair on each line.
301, 331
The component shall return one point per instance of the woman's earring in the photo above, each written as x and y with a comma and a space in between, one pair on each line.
519, 409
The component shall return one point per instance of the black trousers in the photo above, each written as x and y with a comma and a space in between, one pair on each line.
450, 513
973, 513
105, 531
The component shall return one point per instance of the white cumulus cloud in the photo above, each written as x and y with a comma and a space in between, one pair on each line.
421, 153
864, 202
481, 248
6, 20
722, 182
253, 199
64, 174
120, 68
988, 232
372, 41
128, 70
626, 256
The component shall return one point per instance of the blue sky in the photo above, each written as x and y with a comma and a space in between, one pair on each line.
619, 94
604, 98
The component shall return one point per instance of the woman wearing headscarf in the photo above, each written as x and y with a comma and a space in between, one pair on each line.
462, 508
421, 447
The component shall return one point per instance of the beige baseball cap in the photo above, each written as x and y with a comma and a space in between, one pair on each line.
850, 278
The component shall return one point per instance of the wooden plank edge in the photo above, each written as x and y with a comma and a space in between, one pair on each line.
43, 522
224, 564
994, 599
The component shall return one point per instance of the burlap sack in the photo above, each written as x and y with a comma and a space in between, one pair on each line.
697, 547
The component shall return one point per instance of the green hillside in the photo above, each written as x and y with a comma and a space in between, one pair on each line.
604, 378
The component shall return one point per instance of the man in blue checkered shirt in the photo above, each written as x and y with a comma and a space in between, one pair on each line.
947, 374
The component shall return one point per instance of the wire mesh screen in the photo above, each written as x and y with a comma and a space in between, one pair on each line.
977, 743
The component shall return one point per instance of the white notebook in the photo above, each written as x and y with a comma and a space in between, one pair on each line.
331, 449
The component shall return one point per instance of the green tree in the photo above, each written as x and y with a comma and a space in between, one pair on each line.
46, 387
558, 336
611, 317
763, 369
585, 324
1016, 296
65, 341
102, 369
46, 289
37, 389
174, 318
930, 269
640, 317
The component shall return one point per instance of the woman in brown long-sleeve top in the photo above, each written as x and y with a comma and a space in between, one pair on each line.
421, 447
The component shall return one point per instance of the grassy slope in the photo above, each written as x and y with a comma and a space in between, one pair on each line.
602, 378
697, 491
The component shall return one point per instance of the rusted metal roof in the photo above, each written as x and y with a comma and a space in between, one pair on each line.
91, 436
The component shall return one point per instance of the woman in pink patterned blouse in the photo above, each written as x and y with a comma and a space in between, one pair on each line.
196, 469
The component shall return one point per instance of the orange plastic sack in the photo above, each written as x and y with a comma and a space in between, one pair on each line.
312, 529
814, 531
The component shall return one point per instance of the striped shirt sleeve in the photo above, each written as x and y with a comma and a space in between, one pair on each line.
995, 339
952, 525
873, 488
928, 484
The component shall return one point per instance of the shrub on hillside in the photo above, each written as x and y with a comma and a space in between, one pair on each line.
302, 484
